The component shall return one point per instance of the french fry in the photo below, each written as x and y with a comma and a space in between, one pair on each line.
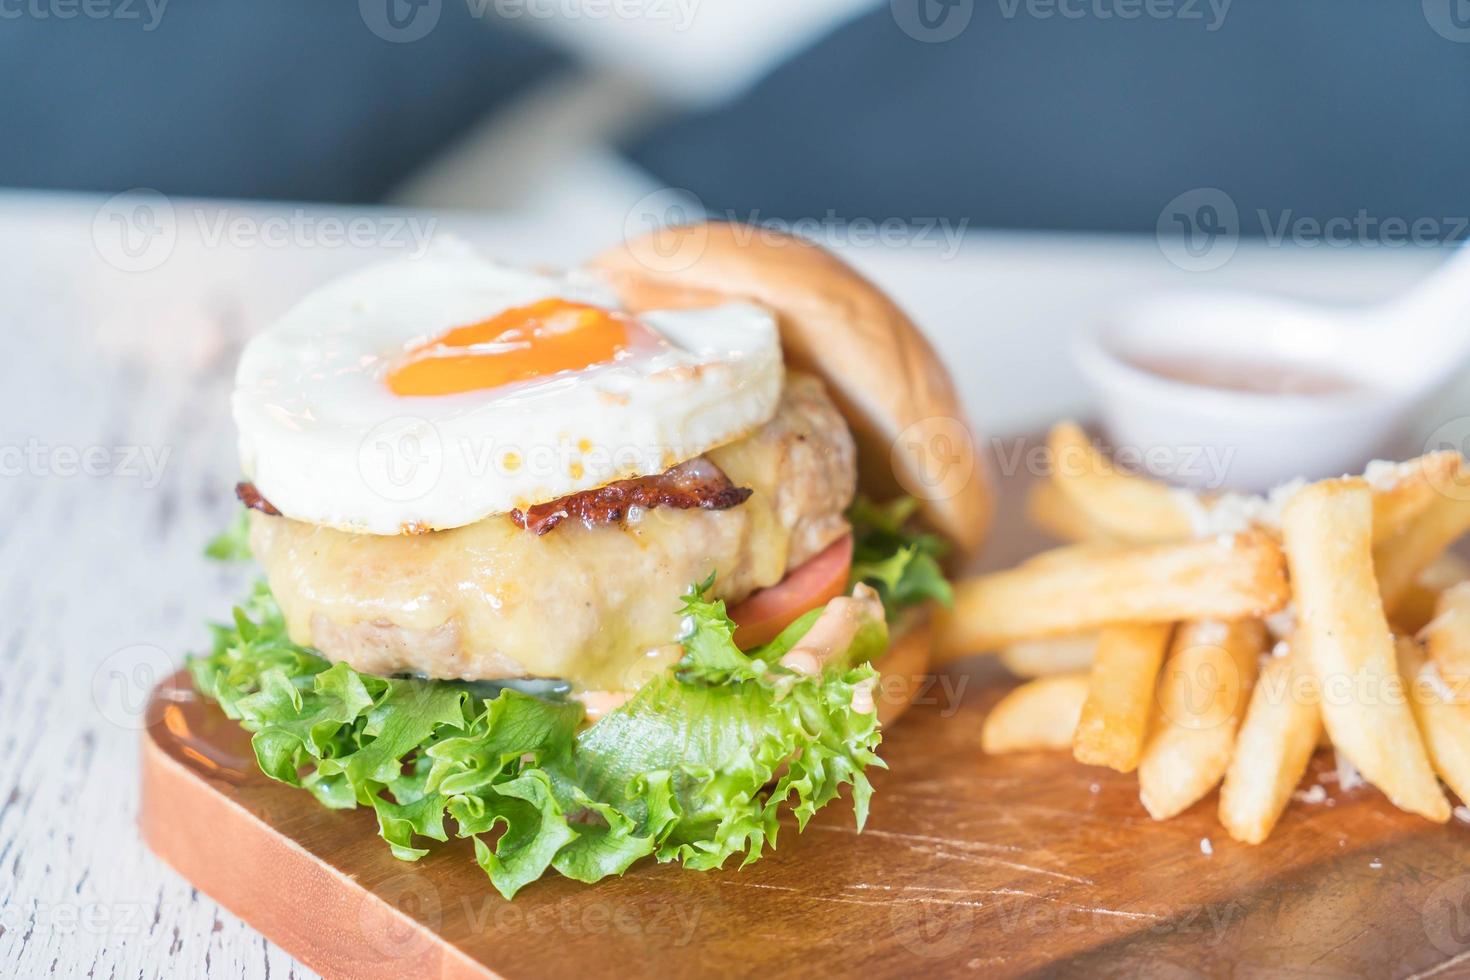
1280, 731
1120, 691
1125, 506
1443, 723
1328, 532
1203, 690
1040, 714
1227, 577
1053, 511
1400, 559
1448, 637
1417, 605
1406, 489
1056, 655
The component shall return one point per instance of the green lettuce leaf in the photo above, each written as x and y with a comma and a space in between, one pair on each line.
695, 768
900, 563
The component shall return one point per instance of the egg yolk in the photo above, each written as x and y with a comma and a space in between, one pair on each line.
519, 344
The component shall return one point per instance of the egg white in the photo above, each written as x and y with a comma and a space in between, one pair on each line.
325, 441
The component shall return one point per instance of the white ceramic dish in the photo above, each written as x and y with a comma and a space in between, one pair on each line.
1387, 360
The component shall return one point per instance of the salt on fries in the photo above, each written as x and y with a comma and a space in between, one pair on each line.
1403, 491
1149, 561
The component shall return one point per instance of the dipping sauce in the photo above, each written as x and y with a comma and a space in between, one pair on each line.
1252, 377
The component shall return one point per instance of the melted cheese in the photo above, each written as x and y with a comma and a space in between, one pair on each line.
585, 604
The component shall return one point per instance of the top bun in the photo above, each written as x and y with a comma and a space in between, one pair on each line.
896, 394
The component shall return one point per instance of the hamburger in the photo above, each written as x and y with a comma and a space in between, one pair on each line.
590, 566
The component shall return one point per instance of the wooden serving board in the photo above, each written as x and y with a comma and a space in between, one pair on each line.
969, 865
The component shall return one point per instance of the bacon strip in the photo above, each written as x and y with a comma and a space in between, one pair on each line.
693, 483
250, 497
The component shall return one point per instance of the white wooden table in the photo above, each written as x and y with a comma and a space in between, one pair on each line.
117, 460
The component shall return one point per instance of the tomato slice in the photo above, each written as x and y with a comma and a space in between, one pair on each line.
819, 579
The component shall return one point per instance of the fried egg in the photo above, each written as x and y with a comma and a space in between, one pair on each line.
434, 392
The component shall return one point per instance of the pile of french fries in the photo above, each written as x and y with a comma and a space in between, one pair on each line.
1330, 614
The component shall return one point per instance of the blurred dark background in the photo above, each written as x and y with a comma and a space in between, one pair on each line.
1065, 114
